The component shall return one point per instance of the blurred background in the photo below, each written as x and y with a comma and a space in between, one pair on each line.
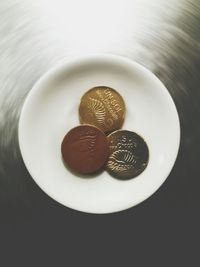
163, 36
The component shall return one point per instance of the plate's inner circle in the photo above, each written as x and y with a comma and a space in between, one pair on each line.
51, 110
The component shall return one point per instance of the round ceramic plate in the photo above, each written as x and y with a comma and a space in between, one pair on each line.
51, 110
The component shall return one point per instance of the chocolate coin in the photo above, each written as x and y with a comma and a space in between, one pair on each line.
129, 154
85, 149
103, 107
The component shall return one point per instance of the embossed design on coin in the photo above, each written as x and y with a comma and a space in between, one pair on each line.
85, 149
98, 110
129, 154
121, 161
103, 107
87, 144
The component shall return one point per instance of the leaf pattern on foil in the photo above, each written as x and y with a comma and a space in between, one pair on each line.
121, 161
86, 144
98, 109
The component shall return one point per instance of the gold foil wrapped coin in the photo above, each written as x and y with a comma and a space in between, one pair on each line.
129, 154
102, 107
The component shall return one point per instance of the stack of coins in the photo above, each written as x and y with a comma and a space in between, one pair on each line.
98, 142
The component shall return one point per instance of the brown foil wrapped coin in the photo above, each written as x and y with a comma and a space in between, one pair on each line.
129, 154
103, 107
85, 149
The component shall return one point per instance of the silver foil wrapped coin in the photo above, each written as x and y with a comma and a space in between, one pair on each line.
129, 154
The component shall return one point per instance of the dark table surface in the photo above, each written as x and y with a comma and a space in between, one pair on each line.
164, 37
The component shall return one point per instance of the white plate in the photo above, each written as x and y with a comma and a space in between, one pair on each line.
51, 110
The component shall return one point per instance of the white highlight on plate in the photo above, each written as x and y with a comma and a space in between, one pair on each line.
51, 110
